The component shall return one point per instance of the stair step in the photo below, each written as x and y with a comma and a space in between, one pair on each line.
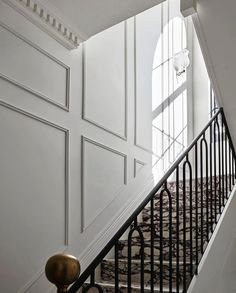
110, 288
123, 249
188, 200
146, 221
107, 268
166, 208
146, 230
108, 271
171, 186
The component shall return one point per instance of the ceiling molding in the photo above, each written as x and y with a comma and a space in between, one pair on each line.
48, 22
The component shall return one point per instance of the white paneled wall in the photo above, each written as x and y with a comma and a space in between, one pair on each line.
34, 194
75, 129
98, 163
33, 59
105, 76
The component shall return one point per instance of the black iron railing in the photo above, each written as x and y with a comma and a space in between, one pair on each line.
158, 249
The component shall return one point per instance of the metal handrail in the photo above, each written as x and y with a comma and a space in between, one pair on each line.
214, 162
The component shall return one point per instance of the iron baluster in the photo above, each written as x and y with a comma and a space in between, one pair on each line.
219, 165
201, 191
177, 229
184, 229
230, 182
161, 242
170, 237
196, 201
211, 186
226, 166
222, 154
117, 266
215, 176
152, 245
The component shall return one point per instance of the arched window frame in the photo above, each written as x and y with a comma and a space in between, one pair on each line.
170, 142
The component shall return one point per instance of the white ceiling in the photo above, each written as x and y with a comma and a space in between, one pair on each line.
217, 24
88, 17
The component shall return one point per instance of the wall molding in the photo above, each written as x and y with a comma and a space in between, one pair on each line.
40, 272
66, 132
108, 232
136, 161
47, 21
54, 59
84, 116
99, 145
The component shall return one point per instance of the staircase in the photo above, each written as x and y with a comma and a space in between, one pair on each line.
159, 247
177, 270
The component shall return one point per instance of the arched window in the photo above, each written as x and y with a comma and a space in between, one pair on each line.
169, 97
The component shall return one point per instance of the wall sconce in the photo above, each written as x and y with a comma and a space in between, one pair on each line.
181, 62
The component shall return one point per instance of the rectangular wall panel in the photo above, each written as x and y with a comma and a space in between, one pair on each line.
105, 80
34, 199
104, 173
27, 66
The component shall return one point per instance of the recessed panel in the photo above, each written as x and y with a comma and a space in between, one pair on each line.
105, 80
104, 175
138, 166
33, 196
27, 66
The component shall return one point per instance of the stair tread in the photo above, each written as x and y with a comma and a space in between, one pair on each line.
135, 286
108, 272
165, 262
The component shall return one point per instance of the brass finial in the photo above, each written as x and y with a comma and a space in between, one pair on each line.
62, 270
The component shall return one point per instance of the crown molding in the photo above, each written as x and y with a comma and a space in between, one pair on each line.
48, 22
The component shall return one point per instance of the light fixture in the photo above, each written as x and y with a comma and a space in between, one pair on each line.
181, 62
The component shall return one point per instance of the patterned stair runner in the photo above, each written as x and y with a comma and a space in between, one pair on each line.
204, 216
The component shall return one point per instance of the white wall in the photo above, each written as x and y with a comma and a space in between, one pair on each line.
217, 270
215, 23
73, 154
200, 87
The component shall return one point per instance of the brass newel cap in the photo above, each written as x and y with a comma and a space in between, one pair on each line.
62, 270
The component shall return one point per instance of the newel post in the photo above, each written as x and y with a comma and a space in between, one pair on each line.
62, 270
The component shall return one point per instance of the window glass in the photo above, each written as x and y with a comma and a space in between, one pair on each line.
169, 101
